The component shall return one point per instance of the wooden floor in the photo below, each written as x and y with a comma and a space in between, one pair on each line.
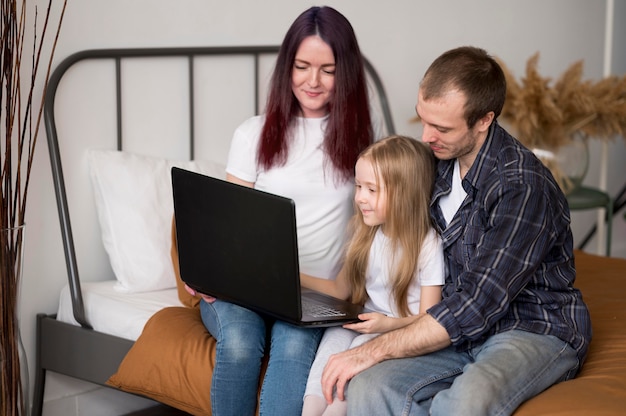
160, 410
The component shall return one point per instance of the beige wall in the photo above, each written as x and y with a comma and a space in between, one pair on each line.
400, 37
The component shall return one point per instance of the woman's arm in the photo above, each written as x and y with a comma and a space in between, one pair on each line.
234, 179
338, 287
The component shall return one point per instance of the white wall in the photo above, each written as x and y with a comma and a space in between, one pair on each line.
400, 37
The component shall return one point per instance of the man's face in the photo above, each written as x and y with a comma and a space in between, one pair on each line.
445, 128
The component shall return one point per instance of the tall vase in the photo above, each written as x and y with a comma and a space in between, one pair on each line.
568, 163
14, 377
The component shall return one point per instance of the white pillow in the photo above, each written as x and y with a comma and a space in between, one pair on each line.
133, 195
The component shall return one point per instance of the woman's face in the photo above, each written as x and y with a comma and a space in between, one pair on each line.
313, 76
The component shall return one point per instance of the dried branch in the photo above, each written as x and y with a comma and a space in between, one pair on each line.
20, 119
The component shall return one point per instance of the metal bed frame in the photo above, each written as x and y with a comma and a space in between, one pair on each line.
79, 351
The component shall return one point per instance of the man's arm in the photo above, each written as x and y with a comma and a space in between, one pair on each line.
421, 337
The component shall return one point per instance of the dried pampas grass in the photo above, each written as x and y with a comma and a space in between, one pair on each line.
545, 114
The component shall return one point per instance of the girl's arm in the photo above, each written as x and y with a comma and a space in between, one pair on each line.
375, 322
429, 296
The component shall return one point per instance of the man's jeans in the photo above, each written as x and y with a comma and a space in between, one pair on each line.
491, 379
241, 336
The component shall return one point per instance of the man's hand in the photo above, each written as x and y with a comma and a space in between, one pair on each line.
422, 336
342, 367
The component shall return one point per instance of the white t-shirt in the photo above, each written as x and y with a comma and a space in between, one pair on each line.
430, 272
450, 203
323, 205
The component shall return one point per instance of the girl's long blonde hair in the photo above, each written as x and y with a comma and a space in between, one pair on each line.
406, 168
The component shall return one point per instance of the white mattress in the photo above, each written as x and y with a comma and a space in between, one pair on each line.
111, 312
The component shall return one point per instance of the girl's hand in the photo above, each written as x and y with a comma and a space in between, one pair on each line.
372, 322
206, 298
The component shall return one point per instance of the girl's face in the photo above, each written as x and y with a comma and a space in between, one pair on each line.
313, 76
370, 194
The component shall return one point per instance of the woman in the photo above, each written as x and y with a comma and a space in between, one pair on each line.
317, 121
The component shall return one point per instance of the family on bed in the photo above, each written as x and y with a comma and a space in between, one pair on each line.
460, 243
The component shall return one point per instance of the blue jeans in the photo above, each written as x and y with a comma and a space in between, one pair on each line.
491, 379
241, 337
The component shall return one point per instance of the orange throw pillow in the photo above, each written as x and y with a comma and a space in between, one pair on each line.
172, 361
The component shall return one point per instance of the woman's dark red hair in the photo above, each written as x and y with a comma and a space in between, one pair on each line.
349, 128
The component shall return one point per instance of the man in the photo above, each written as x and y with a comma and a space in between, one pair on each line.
510, 323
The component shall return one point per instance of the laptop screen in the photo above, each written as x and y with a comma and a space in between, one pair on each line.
237, 243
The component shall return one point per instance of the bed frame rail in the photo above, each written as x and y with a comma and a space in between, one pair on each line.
118, 55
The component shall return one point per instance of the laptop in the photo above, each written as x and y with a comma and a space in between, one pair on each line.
240, 244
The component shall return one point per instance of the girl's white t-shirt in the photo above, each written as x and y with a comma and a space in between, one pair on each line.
430, 272
323, 202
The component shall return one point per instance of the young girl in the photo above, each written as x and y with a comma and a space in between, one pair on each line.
394, 261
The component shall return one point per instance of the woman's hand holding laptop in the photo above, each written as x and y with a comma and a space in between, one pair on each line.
207, 298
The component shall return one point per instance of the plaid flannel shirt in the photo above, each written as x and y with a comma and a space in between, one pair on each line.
508, 250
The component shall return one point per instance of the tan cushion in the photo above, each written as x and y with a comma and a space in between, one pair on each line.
173, 359
171, 362
600, 387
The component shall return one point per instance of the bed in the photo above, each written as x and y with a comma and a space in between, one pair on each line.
193, 98
145, 110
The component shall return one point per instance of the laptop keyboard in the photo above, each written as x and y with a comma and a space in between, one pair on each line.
319, 311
